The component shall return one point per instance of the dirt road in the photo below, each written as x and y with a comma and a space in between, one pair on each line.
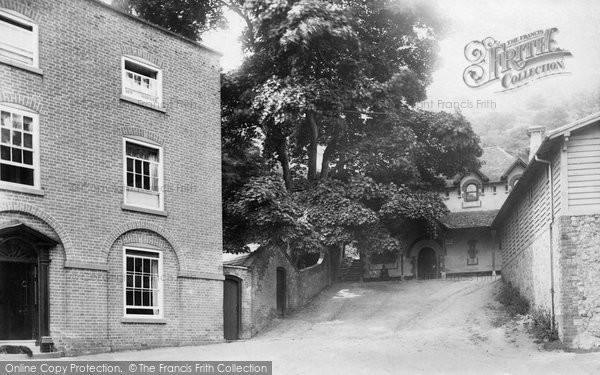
442, 327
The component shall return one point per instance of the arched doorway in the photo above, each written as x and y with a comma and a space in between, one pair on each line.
281, 291
232, 308
24, 261
427, 264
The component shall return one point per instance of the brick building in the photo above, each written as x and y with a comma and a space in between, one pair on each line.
110, 188
549, 230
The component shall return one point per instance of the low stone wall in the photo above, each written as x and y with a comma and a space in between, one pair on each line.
259, 286
580, 280
311, 281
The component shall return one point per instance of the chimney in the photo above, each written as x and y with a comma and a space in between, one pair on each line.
536, 134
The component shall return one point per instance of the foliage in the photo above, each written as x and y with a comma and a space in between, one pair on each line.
366, 211
514, 302
342, 76
542, 326
263, 212
188, 18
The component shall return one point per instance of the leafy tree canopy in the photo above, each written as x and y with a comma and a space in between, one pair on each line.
336, 80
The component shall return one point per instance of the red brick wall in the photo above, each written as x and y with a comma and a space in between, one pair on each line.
82, 122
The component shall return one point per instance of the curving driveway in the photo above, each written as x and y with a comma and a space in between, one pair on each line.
443, 327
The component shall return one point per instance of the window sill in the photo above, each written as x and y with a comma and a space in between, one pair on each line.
21, 189
16, 64
144, 210
142, 104
144, 320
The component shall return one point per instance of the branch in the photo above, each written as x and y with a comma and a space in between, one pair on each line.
239, 12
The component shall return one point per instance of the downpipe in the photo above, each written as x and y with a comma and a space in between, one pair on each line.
551, 188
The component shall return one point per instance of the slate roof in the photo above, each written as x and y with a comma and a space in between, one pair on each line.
239, 260
469, 219
495, 165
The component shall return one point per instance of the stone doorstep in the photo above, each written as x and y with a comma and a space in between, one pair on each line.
37, 354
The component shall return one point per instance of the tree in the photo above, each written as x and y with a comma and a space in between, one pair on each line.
340, 76
188, 18
318, 65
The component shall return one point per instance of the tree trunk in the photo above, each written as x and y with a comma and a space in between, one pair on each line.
326, 159
284, 160
313, 146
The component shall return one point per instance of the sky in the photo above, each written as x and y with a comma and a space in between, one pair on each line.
578, 24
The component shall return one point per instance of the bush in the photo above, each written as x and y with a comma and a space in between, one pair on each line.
542, 326
514, 302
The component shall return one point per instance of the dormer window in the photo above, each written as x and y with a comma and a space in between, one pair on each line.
142, 82
18, 38
471, 193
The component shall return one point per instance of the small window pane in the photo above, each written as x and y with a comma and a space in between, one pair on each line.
138, 166
146, 301
129, 264
129, 297
146, 168
28, 140
129, 281
147, 183
17, 138
137, 298
138, 281
129, 165
5, 153
138, 180
27, 157
138, 264
130, 179
16, 155
5, 119
5, 135
17, 121
27, 124
146, 265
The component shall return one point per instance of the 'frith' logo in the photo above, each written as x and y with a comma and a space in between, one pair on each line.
515, 63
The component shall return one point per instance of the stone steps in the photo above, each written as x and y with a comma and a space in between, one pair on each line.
35, 349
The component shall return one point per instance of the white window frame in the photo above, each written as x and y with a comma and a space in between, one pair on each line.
24, 111
161, 192
158, 100
160, 291
21, 19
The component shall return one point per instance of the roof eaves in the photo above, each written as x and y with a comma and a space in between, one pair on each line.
524, 180
573, 126
194, 42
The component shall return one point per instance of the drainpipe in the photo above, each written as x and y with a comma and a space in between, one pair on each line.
549, 164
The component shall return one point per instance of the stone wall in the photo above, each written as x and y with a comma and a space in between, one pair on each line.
579, 324
529, 270
259, 286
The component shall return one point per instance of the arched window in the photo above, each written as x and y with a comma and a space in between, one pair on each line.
471, 193
18, 38
513, 181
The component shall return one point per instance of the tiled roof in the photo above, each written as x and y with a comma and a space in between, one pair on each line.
495, 162
238, 260
470, 219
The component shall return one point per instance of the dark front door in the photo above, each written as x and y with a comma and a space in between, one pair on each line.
427, 264
231, 309
281, 291
18, 302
